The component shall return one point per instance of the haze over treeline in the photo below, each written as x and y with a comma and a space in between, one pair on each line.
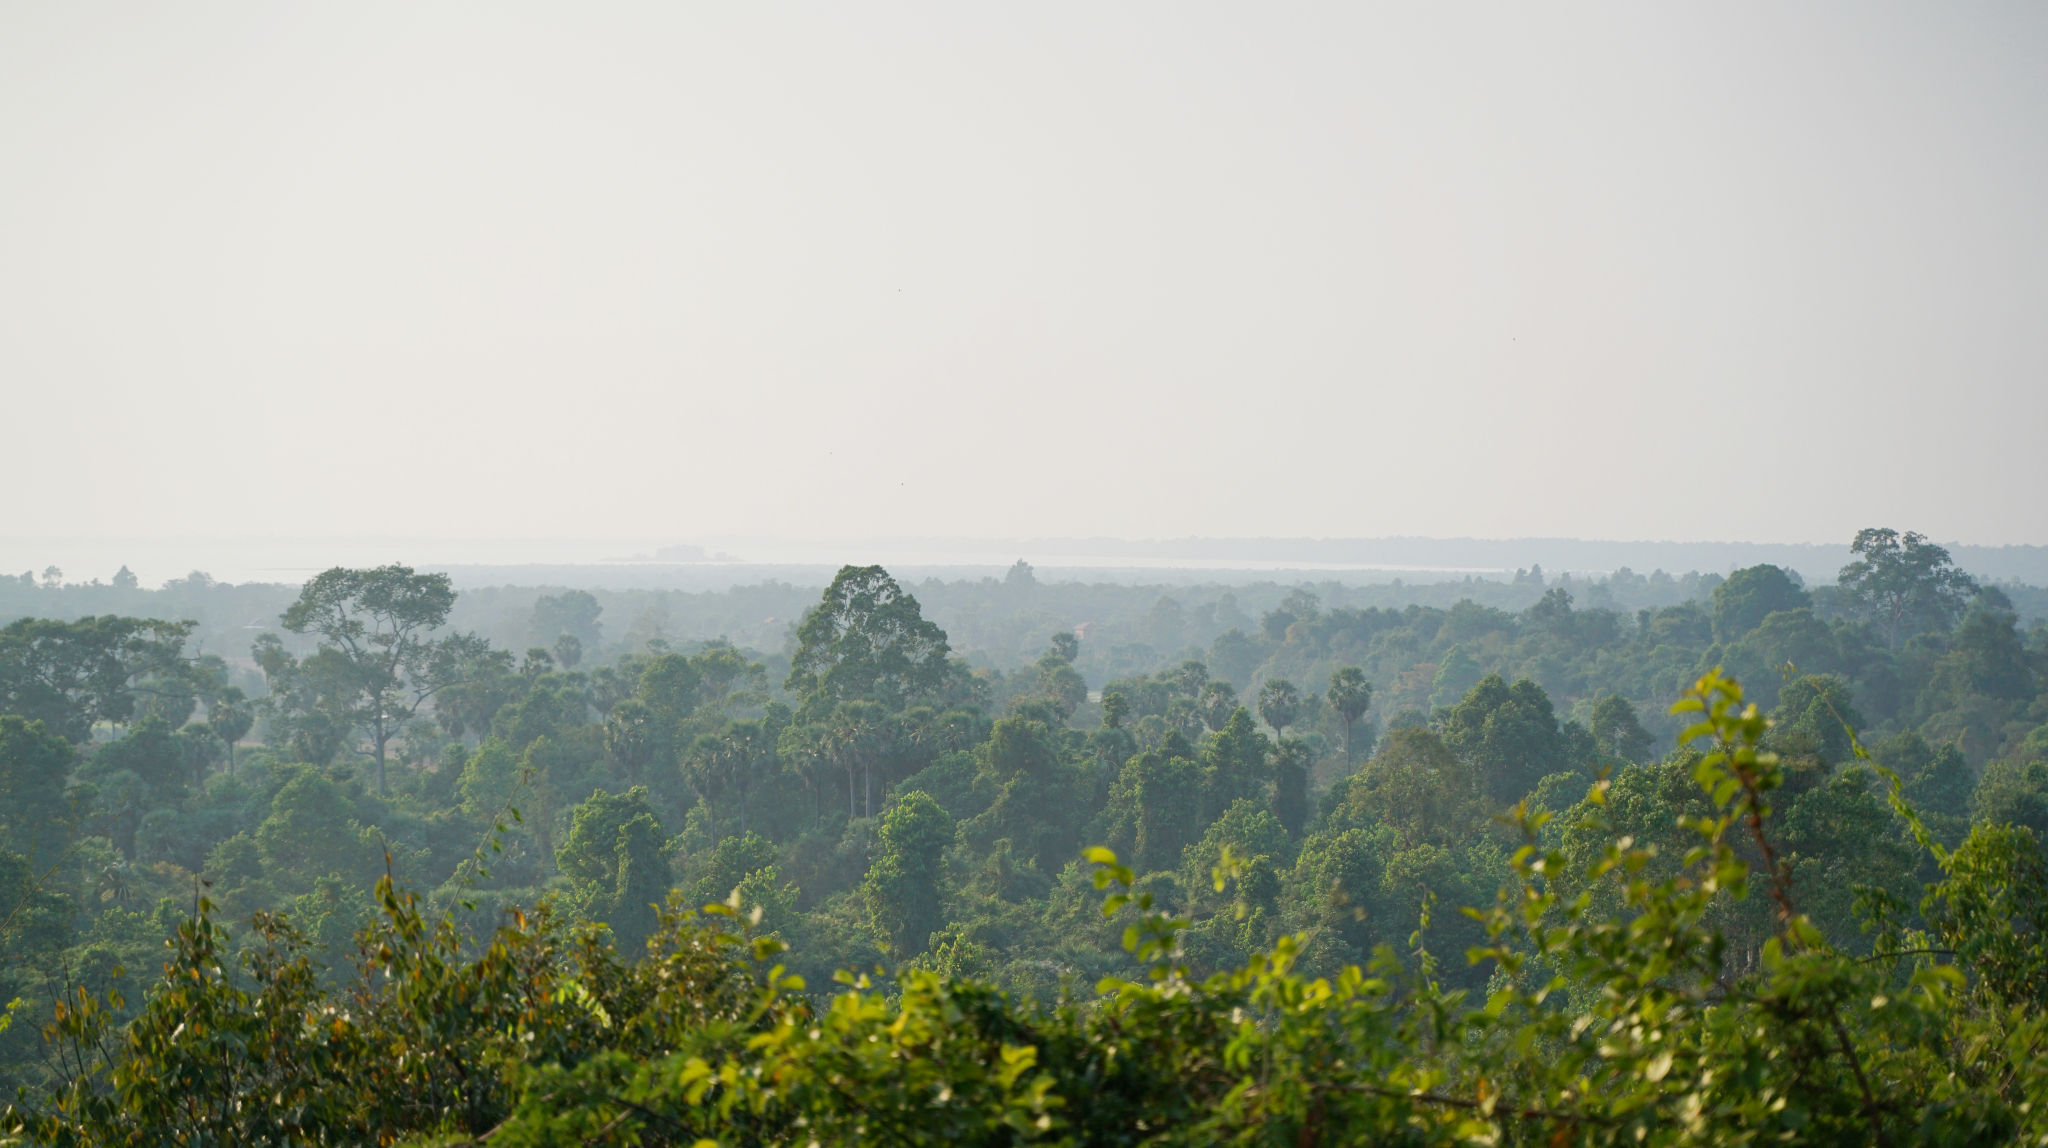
717, 563
912, 574
1084, 805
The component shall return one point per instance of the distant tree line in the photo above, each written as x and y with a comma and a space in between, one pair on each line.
413, 883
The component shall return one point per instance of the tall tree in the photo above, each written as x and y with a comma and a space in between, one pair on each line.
573, 613
1350, 695
866, 639
734, 761
379, 622
1508, 735
1943, 785
34, 764
1291, 760
615, 863
70, 675
1418, 788
669, 686
1751, 595
1219, 701
1617, 731
1058, 680
489, 683
1992, 655
1904, 582
905, 888
1234, 655
725, 679
706, 769
229, 718
1115, 708
310, 701
1236, 763
749, 757
1065, 646
151, 752
808, 751
1815, 717
1168, 793
1279, 704
631, 737
860, 733
567, 650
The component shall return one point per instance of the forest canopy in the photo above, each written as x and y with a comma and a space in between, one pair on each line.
1642, 859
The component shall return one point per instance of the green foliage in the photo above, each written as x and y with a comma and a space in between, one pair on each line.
71, 675
1419, 789
1617, 731
1248, 833
1236, 764
36, 923
1510, 736
376, 668
729, 863
1749, 596
1279, 704
1937, 781
616, 863
668, 686
1291, 761
943, 840
1991, 658
570, 614
904, 891
312, 832
1815, 716
1164, 797
490, 780
1456, 673
150, 753
1217, 702
1903, 582
1035, 792
34, 764
1991, 913
1350, 695
2013, 793
230, 718
867, 640
1612, 1017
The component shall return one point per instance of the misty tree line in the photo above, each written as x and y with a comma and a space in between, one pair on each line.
1287, 819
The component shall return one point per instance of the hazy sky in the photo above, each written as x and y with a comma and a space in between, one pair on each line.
1141, 270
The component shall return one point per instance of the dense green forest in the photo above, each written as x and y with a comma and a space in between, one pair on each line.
371, 860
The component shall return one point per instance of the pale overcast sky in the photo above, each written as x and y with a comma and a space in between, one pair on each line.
1758, 271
